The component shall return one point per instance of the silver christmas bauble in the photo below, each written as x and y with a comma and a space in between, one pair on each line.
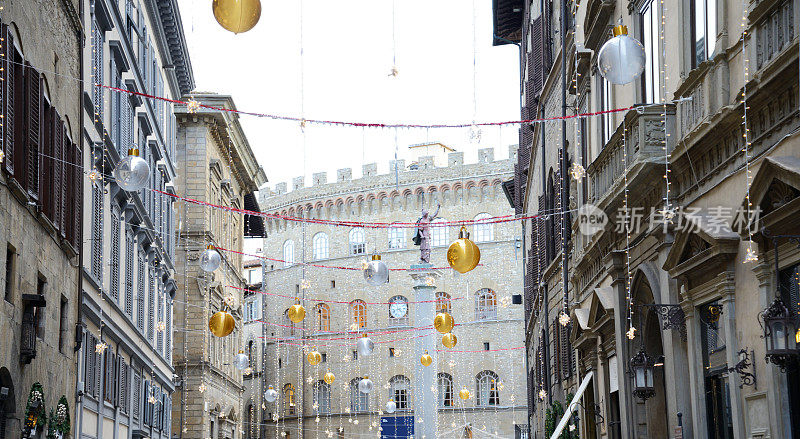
365, 346
391, 406
365, 385
271, 394
377, 272
241, 361
210, 260
132, 172
622, 58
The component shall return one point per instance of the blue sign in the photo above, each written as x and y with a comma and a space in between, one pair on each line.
394, 427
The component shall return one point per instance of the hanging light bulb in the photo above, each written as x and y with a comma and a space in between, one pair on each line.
377, 272
365, 346
577, 171
210, 259
241, 361
391, 406
365, 385
622, 58
271, 394
237, 16
131, 173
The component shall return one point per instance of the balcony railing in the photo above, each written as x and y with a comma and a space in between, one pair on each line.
637, 146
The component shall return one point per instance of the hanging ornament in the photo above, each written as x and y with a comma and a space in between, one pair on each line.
750, 254
95, 176
297, 313
443, 322
464, 394
577, 171
542, 394
221, 323
329, 377
2, 155
314, 357
426, 359
237, 16
449, 340
376, 273
463, 255
622, 58
131, 173
391, 406
271, 394
631, 334
365, 385
563, 318
210, 259
241, 361
365, 346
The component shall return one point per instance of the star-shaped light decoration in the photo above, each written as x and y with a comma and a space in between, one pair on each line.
355, 421
302, 124
100, 347
631, 334
309, 379
386, 386
2, 156
275, 417
563, 318
192, 106
475, 134
394, 72
542, 395
316, 420
505, 301
364, 264
283, 434
347, 409
161, 326
305, 284
577, 171
315, 406
202, 388
430, 281
750, 254
95, 176
151, 399
247, 371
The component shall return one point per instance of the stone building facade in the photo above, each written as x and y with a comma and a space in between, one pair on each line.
340, 305
40, 229
693, 284
218, 166
254, 330
125, 373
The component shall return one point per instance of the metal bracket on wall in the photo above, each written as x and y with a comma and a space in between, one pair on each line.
671, 317
745, 361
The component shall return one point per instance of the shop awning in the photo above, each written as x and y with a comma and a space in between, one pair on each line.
572, 405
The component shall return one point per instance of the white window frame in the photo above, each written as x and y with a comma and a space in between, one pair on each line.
444, 383
359, 401
440, 234
322, 397
400, 391
397, 238
321, 248
482, 232
488, 393
651, 79
398, 321
486, 304
288, 253
358, 242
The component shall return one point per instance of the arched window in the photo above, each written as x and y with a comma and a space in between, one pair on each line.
398, 311
445, 383
483, 232
397, 237
487, 392
400, 389
485, 304
442, 302
288, 399
288, 253
251, 354
288, 324
358, 244
359, 402
440, 232
322, 398
322, 318
320, 246
358, 311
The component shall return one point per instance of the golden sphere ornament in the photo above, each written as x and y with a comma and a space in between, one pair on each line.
297, 313
329, 377
314, 357
464, 394
221, 323
426, 359
443, 322
237, 16
449, 340
463, 255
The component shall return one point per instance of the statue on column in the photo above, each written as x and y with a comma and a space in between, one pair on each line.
423, 236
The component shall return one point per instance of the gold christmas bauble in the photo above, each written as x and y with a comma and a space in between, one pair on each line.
449, 340
297, 313
314, 358
426, 360
221, 324
464, 394
329, 377
463, 255
443, 322
237, 16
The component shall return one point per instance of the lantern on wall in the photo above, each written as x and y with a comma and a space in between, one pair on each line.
642, 367
781, 333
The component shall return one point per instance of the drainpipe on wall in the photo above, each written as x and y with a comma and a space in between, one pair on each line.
79, 282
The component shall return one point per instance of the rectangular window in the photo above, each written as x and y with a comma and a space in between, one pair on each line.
606, 124
115, 255
129, 255
704, 29
63, 325
97, 233
651, 80
391, 353
397, 238
10, 256
324, 357
39, 317
486, 346
355, 355
716, 381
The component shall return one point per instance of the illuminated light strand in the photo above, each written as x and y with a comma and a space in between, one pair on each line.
339, 302
750, 255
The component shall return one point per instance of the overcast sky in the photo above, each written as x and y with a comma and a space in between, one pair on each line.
348, 52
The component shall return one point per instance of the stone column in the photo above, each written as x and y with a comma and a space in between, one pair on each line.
424, 377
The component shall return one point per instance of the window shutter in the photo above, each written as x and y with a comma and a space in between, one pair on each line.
555, 364
76, 189
129, 255
97, 232
8, 100
47, 162
557, 223
140, 284
88, 365
168, 331
137, 391
57, 168
541, 234
114, 259
33, 106
63, 169
151, 305
97, 69
146, 400
159, 317
98, 370
566, 354
110, 382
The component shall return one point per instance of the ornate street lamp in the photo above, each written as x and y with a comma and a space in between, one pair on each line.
782, 334
641, 368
